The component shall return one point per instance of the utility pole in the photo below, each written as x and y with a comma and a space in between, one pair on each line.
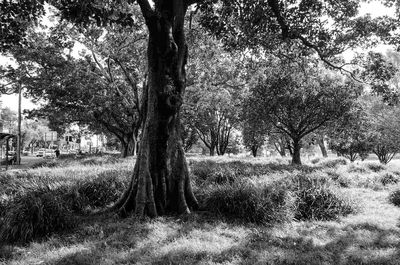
19, 125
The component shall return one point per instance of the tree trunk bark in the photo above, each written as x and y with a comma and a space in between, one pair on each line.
322, 146
160, 183
212, 151
296, 160
254, 150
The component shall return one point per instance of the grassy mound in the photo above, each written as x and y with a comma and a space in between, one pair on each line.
245, 202
34, 206
35, 214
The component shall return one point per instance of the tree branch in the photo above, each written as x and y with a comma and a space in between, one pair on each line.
146, 9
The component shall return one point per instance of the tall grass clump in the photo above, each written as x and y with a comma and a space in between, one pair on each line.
101, 191
389, 178
35, 214
38, 202
375, 167
394, 197
246, 202
318, 199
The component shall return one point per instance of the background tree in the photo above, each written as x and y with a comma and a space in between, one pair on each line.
100, 90
298, 104
384, 126
351, 137
254, 130
214, 95
9, 118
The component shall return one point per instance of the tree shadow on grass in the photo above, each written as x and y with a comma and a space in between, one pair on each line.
357, 244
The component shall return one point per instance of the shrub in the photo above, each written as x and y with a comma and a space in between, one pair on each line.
316, 198
320, 203
333, 162
35, 214
375, 167
246, 202
388, 179
394, 197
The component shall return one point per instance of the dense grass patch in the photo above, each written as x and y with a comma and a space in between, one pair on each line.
46, 163
36, 214
333, 162
36, 203
246, 202
394, 197
316, 199
101, 191
375, 167
39, 210
301, 196
228, 172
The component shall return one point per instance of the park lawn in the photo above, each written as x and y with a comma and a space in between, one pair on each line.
369, 236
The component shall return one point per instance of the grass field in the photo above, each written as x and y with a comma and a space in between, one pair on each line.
368, 235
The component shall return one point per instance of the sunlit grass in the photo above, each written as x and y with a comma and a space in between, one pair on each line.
369, 236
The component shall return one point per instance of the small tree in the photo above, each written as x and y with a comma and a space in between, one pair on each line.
254, 130
384, 125
351, 137
298, 104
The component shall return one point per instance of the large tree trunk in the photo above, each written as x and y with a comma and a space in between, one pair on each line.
128, 146
160, 182
296, 160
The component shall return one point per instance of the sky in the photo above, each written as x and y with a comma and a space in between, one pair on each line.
374, 8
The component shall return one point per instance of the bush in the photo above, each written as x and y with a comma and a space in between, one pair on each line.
316, 199
375, 167
246, 202
388, 179
394, 197
35, 214
320, 203
333, 162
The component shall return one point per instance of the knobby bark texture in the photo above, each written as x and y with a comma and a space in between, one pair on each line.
160, 183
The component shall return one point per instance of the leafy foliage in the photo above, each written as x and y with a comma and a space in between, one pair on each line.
299, 103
